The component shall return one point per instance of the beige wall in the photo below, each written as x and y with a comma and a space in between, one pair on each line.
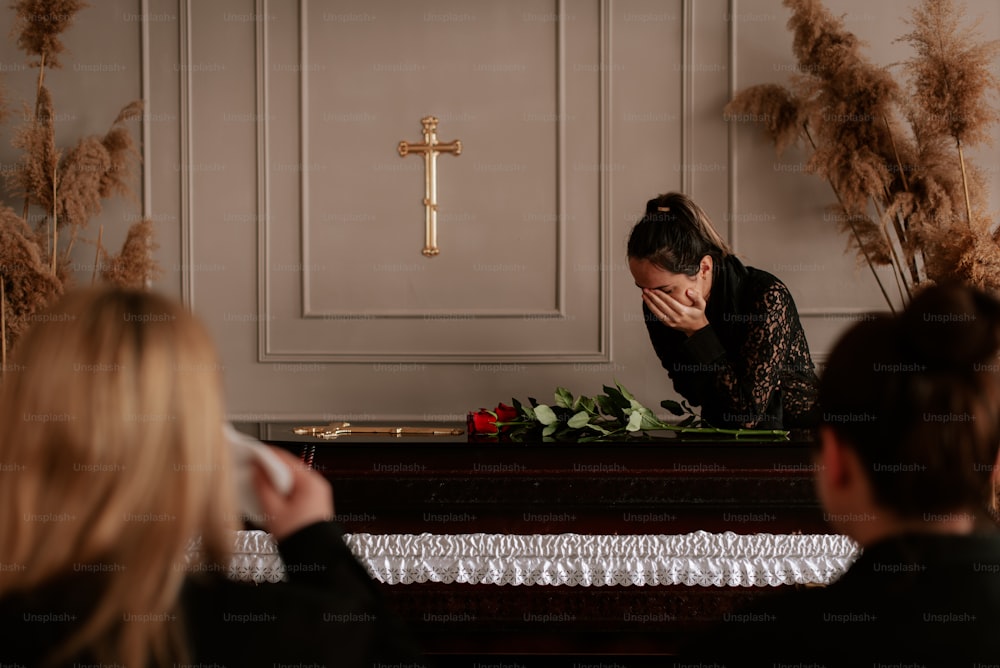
291, 225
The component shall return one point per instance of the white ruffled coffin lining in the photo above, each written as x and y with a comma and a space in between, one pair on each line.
699, 558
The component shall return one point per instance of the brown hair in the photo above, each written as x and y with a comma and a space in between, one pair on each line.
917, 396
112, 413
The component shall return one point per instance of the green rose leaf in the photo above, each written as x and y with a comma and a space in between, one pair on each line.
579, 420
649, 420
526, 412
550, 429
617, 398
605, 404
625, 393
546, 416
564, 398
672, 406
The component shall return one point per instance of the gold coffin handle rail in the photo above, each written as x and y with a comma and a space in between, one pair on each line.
335, 429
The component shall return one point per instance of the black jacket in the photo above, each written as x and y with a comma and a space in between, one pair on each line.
328, 613
913, 600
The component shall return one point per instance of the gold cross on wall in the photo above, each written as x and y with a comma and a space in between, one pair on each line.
430, 149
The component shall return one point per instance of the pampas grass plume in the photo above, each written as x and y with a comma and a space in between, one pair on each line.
133, 267
892, 152
68, 188
38, 25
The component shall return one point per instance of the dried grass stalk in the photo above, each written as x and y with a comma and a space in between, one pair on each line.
122, 152
133, 267
98, 253
28, 283
61, 190
38, 25
3, 325
4, 105
895, 153
80, 177
772, 105
32, 179
952, 80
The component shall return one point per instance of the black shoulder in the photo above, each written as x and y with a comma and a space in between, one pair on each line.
763, 287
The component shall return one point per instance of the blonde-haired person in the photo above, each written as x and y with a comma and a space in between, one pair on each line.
727, 334
115, 460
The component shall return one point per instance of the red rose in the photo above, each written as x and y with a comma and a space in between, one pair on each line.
481, 422
505, 413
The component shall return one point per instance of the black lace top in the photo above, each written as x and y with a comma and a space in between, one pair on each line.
750, 367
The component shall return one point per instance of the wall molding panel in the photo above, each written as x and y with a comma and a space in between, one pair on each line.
571, 328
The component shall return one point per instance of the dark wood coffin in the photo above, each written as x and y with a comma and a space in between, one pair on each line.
387, 484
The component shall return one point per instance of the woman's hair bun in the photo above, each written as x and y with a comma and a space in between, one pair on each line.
950, 327
658, 205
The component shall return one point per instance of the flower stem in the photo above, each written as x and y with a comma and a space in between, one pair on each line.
737, 433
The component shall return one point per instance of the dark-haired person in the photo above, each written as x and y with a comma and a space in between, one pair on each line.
905, 461
728, 335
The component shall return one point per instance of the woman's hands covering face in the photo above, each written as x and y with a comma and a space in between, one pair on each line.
674, 313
